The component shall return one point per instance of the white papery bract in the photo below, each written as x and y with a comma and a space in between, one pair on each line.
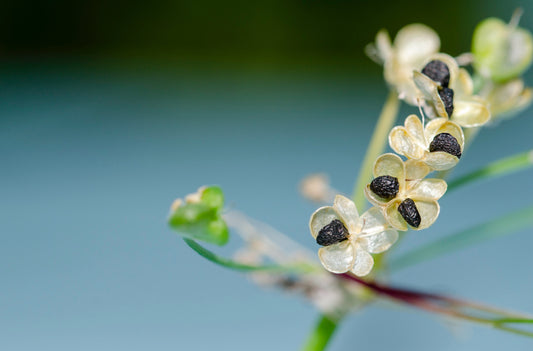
412, 185
368, 233
468, 110
413, 141
411, 47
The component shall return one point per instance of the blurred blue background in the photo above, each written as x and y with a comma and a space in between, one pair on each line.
109, 111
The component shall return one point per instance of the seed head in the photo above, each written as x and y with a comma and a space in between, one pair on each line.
447, 143
438, 71
410, 213
332, 233
385, 186
446, 95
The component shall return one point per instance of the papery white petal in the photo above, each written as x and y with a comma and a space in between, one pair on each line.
431, 94
416, 169
414, 127
430, 188
402, 143
440, 160
373, 221
347, 212
363, 262
416, 41
375, 199
320, 218
379, 242
394, 217
470, 113
392, 165
428, 210
463, 85
383, 45
337, 258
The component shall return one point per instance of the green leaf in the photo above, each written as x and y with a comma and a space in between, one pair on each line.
501, 226
229, 263
495, 169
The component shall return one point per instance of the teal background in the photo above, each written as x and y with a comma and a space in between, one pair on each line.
102, 127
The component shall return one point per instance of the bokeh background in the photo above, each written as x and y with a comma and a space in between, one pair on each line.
111, 109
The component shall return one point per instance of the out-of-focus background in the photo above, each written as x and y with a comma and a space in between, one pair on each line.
111, 109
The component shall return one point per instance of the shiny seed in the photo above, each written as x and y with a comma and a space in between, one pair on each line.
385, 187
438, 72
410, 213
446, 95
447, 143
332, 233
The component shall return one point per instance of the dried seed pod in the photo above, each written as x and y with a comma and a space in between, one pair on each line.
410, 213
446, 95
447, 143
385, 186
438, 71
332, 233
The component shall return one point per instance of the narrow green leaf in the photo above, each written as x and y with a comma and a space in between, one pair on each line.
501, 226
512, 320
229, 263
498, 168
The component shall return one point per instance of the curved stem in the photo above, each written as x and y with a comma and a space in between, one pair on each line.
376, 147
320, 336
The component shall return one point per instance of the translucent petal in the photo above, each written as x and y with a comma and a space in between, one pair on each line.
337, 258
390, 164
363, 262
470, 113
383, 45
443, 125
430, 90
431, 188
373, 221
414, 127
440, 160
463, 85
379, 242
415, 169
394, 217
402, 143
373, 198
416, 41
320, 218
428, 210
347, 212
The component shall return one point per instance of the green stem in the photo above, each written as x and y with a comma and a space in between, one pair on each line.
229, 263
376, 147
320, 336
498, 168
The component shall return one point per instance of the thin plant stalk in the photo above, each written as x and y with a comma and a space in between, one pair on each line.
321, 335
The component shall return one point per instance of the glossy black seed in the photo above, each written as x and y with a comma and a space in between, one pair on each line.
410, 213
385, 186
438, 72
447, 143
446, 95
332, 233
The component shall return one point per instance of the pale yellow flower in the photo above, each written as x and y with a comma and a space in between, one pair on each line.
456, 100
347, 238
439, 145
411, 47
405, 197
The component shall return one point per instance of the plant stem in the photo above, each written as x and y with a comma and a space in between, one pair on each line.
320, 336
376, 147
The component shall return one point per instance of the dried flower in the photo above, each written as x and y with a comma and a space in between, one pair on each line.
415, 203
439, 144
348, 238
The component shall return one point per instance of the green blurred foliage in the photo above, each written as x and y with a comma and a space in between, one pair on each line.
236, 31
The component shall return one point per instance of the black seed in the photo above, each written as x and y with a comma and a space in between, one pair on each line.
446, 95
385, 186
410, 213
438, 72
332, 233
447, 143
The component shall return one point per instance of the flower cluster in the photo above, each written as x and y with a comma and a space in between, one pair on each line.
401, 194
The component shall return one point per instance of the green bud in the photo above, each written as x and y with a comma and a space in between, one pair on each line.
199, 217
501, 51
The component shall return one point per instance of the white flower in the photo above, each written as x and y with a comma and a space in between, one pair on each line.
439, 145
403, 195
412, 45
348, 238
454, 98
